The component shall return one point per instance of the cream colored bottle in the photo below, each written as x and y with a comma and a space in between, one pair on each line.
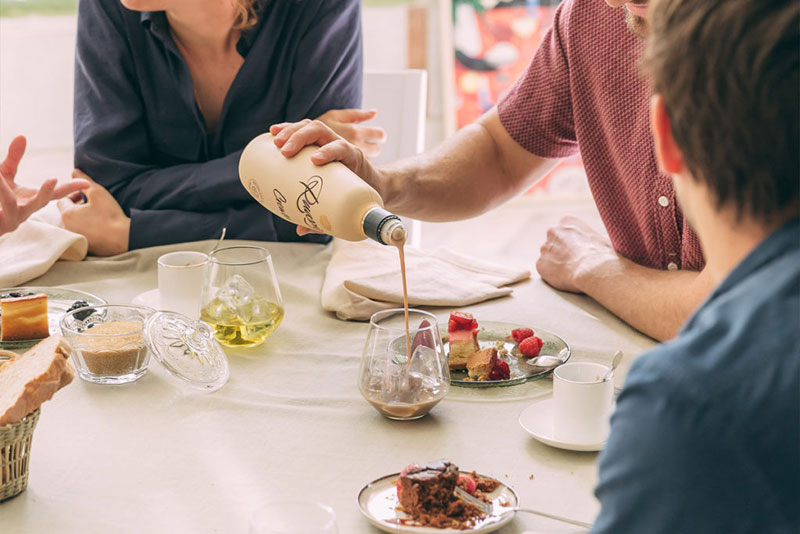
330, 198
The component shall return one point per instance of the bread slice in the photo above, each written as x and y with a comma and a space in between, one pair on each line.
31, 379
7, 356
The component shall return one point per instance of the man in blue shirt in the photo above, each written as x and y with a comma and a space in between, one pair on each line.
168, 93
706, 434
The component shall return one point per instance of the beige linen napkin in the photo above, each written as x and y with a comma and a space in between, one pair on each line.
364, 277
30, 250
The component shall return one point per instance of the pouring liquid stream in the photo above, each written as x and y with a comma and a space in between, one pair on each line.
400, 244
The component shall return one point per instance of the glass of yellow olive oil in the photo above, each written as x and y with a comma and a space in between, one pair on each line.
241, 298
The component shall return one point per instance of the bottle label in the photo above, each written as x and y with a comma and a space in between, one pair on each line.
308, 198
280, 200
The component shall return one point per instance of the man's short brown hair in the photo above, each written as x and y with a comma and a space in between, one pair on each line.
728, 73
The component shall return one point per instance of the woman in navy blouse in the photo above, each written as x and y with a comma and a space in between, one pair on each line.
169, 92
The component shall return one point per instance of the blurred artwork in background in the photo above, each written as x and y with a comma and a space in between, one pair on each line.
494, 42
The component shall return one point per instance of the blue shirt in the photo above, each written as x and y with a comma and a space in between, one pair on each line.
139, 132
706, 434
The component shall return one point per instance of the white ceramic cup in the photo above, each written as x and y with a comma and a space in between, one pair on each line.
582, 402
181, 276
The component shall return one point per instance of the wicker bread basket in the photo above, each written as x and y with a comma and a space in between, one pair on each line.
15, 449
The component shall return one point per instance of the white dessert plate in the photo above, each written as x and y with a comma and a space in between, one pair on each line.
150, 298
59, 299
537, 420
492, 332
377, 502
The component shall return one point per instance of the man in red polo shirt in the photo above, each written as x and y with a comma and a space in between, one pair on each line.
582, 92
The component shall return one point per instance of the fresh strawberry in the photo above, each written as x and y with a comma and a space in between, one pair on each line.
462, 321
467, 483
500, 371
530, 346
521, 333
403, 472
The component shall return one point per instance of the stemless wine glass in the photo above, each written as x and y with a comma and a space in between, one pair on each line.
294, 517
241, 298
398, 388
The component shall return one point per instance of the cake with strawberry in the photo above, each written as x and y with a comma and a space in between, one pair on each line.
487, 365
462, 333
427, 494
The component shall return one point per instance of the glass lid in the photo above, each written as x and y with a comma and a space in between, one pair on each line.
187, 349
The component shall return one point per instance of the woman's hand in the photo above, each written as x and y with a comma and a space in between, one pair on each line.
345, 122
100, 219
17, 203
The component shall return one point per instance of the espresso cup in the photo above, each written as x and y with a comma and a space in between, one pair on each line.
181, 276
582, 402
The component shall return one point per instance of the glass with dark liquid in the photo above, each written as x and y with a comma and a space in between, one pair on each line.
241, 298
400, 381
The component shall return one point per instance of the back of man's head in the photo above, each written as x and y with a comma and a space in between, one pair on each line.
729, 74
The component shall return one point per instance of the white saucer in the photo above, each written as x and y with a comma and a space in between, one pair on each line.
537, 420
148, 298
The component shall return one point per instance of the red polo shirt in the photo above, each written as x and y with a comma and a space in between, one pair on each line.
584, 91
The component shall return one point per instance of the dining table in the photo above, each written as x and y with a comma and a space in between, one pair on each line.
157, 455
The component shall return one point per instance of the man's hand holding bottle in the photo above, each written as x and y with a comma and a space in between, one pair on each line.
290, 138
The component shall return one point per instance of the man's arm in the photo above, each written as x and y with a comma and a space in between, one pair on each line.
578, 259
475, 170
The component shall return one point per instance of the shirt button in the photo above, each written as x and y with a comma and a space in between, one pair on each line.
672, 266
663, 201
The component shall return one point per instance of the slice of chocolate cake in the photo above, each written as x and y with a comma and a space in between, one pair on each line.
429, 488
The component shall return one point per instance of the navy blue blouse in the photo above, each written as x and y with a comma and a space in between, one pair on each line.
139, 132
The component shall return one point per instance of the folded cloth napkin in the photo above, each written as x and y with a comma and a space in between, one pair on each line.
31, 249
364, 277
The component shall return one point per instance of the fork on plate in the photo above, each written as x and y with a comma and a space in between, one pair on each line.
488, 509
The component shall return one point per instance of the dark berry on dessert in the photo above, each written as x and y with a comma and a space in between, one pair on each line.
15, 294
83, 314
531, 346
500, 371
521, 333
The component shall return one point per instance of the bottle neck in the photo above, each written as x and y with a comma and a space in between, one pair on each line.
384, 227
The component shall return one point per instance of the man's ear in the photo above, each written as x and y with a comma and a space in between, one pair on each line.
668, 155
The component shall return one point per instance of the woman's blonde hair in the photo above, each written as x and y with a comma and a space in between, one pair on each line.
246, 16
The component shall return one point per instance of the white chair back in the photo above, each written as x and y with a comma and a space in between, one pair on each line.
401, 100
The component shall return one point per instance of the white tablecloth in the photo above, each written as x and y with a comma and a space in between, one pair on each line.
157, 456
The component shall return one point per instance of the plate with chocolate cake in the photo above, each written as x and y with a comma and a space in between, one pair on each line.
423, 499
30, 314
495, 353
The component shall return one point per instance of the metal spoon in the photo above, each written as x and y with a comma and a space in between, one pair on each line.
545, 361
614, 364
488, 509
